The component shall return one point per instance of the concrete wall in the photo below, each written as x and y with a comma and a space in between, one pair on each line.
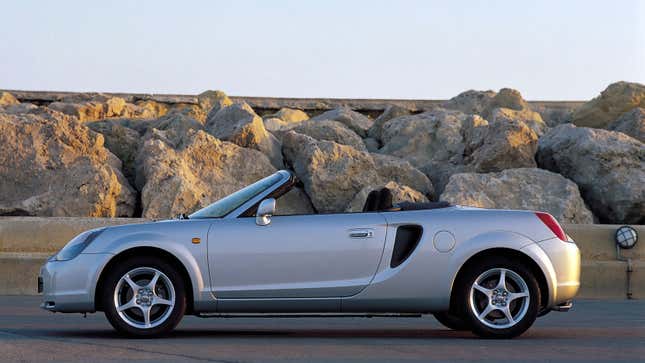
603, 276
48, 234
26, 242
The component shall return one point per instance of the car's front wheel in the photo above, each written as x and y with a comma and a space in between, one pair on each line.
144, 296
500, 298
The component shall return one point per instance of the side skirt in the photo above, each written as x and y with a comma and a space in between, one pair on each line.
296, 315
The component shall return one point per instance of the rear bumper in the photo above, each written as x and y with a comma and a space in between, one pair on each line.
565, 259
69, 286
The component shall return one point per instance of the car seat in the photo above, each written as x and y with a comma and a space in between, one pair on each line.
378, 200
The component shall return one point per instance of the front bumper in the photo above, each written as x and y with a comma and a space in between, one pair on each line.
69, 286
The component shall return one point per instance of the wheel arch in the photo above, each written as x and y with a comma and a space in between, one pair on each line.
147, 251
540, 275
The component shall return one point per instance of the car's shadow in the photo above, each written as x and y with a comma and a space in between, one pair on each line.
273, 333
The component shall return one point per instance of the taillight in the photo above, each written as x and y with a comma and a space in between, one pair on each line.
553, 225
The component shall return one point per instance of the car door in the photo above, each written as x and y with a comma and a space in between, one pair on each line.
303, 256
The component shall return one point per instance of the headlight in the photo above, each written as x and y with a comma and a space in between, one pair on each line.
74, 247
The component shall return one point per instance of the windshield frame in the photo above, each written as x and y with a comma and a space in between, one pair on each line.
241, 210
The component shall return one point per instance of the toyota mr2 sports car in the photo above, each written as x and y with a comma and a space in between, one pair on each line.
489, 271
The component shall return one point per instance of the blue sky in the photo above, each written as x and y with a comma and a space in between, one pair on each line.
365, 49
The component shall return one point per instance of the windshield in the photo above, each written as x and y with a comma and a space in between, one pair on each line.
233, 201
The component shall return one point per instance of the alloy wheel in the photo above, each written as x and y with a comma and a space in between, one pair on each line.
499, 298
144, 297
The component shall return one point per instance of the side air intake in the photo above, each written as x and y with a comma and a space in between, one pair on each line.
406, 240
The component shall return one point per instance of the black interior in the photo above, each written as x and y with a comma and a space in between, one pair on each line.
378, 200
381, 200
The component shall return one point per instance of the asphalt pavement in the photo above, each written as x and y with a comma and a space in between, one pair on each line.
594, 331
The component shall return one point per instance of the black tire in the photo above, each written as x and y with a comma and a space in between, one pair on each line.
451, 321
477, 269
172, 315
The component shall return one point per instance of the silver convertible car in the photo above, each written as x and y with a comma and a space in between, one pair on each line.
489, 271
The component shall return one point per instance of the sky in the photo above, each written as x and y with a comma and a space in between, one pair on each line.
549, 50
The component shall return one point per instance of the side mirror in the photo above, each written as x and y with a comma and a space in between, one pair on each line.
265, 211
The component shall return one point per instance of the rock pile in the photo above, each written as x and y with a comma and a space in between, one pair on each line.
522, 188
52, 165
608, 166
97, 155
193, 171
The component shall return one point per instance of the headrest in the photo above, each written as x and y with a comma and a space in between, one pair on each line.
378, 200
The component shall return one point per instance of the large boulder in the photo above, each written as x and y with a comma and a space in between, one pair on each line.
444, 142
121, 141
506, 144
402, 172
212, 101
356, 121
436, 142
19, 108
101, 107
89, 111
172, 126
331, 131
7, 99
433, 136
275, 125
474, 130
30, 108
294, 202
400, 193
195, 172
123, 137
285, 119
331, 173
508, 98
390, 112
631, 123
139, 112
239, 124
115, 107
484, 102
52, 165
291, 115
192, 110
371, 144
532, 119
524, 188
608, 166
154, 108
617, 99
471, 102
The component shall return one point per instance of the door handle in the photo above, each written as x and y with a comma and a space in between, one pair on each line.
361, 233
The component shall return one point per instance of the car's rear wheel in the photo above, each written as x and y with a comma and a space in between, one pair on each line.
144, 296
500, 298
452, 321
